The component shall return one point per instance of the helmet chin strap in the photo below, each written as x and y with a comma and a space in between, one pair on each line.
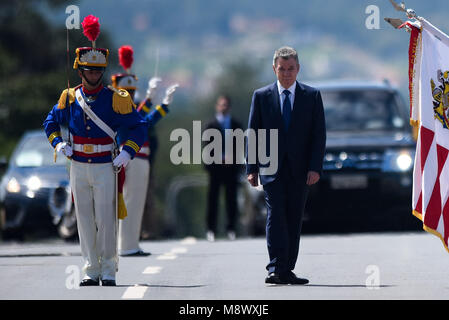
95, 84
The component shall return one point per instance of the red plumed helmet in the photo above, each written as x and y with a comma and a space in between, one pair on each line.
91, 27
125, 56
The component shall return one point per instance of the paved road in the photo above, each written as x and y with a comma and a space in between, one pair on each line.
365, 266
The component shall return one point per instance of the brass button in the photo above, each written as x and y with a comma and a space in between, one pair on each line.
88, 128
89, 160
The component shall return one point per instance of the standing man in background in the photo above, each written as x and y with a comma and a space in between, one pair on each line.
295, 110
222, 173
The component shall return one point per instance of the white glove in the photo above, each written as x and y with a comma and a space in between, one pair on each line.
122, 159
152, 87
169, 94
64, 148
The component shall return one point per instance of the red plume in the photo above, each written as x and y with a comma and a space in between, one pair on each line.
91, 27
125, 56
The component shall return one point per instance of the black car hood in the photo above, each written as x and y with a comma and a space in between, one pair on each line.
368, 139
50, 176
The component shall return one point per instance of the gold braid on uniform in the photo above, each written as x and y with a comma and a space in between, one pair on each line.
132, 145
161, 110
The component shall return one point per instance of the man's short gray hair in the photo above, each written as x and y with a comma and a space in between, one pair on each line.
285, 53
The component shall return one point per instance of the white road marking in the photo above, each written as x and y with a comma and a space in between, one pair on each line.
179, 250
152, 270
167, 256
135, 292
188, 240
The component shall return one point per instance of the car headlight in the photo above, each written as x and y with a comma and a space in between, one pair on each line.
404, 161
398, 160
34, 183
13, 186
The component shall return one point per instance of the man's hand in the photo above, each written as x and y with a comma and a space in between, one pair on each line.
312, 177
122, 159
253, 179
169, 94
64, 148
152, 87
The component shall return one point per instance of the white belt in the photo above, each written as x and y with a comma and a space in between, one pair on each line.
93, 148
145, 150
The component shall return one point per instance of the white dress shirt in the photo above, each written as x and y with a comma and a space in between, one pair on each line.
282, 95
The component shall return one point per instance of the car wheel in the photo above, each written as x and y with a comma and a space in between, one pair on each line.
67, 228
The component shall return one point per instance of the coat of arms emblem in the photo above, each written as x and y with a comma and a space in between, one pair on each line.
441, 98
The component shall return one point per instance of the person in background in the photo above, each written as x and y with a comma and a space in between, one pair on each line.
137, 172
225, 173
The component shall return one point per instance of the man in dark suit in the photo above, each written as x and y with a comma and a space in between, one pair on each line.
295, 110
223, 172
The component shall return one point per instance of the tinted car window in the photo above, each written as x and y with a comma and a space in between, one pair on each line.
362, 110
35, 152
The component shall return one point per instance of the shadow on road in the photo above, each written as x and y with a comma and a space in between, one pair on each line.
349, 286
161, 286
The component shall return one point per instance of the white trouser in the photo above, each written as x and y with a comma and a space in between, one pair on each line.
134, 194
93, 187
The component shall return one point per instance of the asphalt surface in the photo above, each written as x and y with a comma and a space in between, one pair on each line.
381, 266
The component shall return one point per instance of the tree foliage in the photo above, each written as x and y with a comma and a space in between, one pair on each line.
33, 66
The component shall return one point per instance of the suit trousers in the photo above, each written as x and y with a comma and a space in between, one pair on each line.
285, 199
227, 176
134, 194
93, 187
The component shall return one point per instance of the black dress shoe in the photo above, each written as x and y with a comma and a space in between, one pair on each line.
108, 283
291, 278
139, 253
89, 283
274, 278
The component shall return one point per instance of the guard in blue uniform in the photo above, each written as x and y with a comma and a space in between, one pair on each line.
138, 170
93, 114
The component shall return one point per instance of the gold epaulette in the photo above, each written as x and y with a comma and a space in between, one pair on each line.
63, 98
121, 101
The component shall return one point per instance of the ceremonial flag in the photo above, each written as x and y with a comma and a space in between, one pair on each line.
429, 111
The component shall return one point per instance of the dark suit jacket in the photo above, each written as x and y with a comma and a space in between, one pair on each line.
304, 144
215, 124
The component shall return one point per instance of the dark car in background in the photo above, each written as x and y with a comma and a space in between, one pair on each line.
368, 164
366, 183
35, 195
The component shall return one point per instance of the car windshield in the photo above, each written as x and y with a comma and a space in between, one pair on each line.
35, 151
354, 110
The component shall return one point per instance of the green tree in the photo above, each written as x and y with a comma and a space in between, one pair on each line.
33, 66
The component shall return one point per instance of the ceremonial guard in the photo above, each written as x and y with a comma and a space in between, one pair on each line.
137, 172
93, 114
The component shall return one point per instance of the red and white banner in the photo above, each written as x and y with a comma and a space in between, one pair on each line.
429, 110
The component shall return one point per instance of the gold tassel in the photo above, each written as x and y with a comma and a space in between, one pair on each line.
63, 98
121, 101
122, 212
414, 123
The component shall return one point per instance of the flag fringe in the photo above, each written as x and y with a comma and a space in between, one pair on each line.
430, 230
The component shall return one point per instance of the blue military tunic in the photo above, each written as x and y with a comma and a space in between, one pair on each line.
151, 116
116, 111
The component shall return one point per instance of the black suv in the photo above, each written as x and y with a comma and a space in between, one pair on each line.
367, 173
